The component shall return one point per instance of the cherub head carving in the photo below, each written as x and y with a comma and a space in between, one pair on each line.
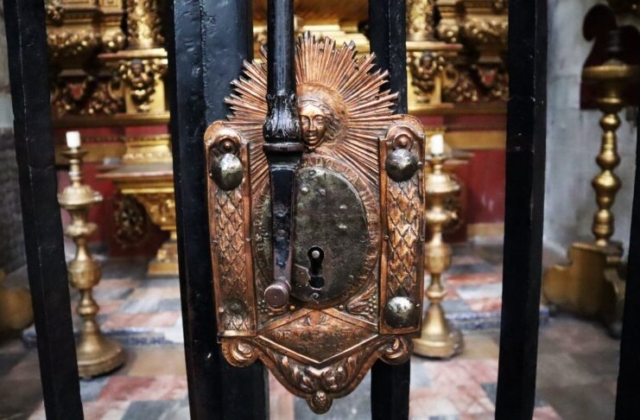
321, 114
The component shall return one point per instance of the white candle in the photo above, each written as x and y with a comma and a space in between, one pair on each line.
437, 144
73, 139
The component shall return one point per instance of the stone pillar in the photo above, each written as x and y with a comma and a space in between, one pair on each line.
12, 240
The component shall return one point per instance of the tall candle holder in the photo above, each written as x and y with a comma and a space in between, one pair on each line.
96, 353
592, 284
438, 339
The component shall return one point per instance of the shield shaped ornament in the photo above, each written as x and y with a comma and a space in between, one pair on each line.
357, 248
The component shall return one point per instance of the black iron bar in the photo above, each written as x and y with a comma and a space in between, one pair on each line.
388, 37
628, 377
283, 143
387, 34
525, 167
47, 270
208, 42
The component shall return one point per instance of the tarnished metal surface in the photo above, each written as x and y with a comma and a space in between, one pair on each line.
330, 219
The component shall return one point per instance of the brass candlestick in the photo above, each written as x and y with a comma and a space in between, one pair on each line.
96, 353
592, 285
439, 339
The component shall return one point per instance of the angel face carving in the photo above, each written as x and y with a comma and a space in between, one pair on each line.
314, 123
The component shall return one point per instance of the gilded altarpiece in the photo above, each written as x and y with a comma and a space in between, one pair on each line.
107, 79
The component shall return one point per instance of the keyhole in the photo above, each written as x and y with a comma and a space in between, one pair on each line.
316, 255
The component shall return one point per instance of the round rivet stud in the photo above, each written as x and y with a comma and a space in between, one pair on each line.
401, 165
277, 294
400, 312
226, 171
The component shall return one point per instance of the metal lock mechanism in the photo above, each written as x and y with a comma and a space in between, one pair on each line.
317, 258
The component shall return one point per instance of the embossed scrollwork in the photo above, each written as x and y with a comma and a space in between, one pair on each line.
398, 351
239, 353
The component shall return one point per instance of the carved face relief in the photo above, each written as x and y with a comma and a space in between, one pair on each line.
314, 125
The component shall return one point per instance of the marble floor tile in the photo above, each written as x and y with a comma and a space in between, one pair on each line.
141, 306
27, 368
581, 402
154, 361
281, 401
424, 405
147, 321
472, 279
489, 304
546, 413
131, 388
577, 364
105, 410
562, 370
19, 397
484, 291
8, 361
479, 346
602, 363
146, 410
178, 411
91, 389
157, 293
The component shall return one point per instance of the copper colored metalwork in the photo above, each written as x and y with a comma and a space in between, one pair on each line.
357, 274
96, 353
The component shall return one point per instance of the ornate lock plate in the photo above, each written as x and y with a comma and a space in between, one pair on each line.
357, 280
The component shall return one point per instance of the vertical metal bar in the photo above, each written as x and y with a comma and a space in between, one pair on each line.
388, 37
283, 144
628, 378
526, 131
207, 43
27, 42
227, 41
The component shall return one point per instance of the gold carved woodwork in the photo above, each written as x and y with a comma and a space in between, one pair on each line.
143, 84
161, 208
82, 94
116, 82
420, 20
77, 32
132, 224
144, 25
142, 66
151, 184
474, 72
148, 149
321, 344
471, 71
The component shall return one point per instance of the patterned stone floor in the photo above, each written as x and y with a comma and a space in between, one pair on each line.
137, 310
576, 371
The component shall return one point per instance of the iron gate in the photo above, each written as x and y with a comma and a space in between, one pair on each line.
208, 40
